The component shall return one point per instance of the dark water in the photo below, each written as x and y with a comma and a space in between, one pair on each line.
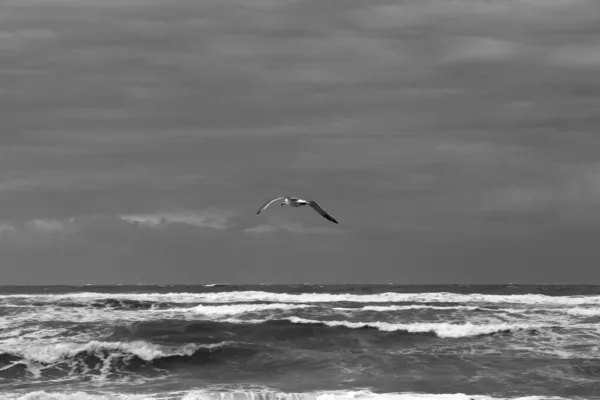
300, 341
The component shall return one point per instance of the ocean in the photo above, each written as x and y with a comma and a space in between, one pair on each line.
328, 342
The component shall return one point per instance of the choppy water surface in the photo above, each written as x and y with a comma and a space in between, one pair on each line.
299, 341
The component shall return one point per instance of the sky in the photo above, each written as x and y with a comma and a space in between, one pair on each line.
455, 141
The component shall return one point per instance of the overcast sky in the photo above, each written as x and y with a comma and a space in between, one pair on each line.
456, 141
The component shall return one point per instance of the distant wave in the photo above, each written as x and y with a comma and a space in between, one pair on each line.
126, 304
441, 329
231, 309
409, 307
585, 312
160, 310
54, 323
260, 393
335, 333
261, 296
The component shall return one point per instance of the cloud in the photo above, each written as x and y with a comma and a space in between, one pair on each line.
293, 227
578, 56
109, 249
6, 228
406, 119
17, 40
571, 200
114, 227
210, 219
463, 49
46, 226
474, 14
281, 64
75, 3
105, 226
518, 198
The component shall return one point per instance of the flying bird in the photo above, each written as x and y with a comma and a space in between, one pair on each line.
297, 202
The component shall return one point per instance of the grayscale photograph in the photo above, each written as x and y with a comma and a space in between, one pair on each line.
299, 199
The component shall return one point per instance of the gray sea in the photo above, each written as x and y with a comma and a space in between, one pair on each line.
324, 342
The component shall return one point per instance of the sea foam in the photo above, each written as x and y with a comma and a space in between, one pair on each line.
260, 395
261, 296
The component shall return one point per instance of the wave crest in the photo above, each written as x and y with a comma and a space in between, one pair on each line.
262, 296
263, 394
96, 357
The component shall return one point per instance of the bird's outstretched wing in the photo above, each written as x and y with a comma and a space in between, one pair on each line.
268, 203
321, 211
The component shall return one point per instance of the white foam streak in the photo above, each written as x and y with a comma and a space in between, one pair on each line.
109, 315
441, 329
577, 311
261, 395
411, 307
585, 312
51, 353
255, 296
344, 395
41, 395
233, 309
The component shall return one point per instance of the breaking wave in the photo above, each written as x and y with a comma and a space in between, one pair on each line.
147, 299
203, 342
103, 359
261, 394
293, 343
441, 330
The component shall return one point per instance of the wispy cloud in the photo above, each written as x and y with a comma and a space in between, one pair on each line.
293, 227
572, 198
48, 226
17, 40
579, 56
6, 228
82, 225
210, 219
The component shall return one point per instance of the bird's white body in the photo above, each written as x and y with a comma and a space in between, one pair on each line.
293, 202
298, 202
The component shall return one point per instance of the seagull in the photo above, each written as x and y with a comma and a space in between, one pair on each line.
297, 202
